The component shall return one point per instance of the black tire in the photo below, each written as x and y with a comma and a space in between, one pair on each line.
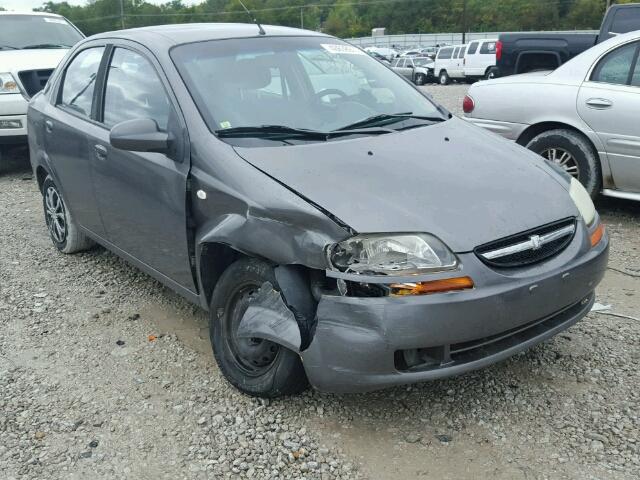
420, 79
444, 78
64, 231
492, 72
257, 368
587, 166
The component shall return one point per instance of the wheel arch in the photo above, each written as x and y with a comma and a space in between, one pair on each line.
41, 174
536, 129
213, 259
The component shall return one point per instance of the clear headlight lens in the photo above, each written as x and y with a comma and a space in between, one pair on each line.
384, 254
583, 201
8, 83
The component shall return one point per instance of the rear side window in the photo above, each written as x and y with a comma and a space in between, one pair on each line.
626, 20
473, 46
80, 81
134, 90
488, 47
615, 67
445, 53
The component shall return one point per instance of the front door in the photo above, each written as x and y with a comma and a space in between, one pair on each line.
142, 196
609, 102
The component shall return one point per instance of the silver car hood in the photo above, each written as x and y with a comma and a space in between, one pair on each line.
452, 179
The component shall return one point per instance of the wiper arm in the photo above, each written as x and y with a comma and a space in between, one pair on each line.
45, 45
9, 47
386, 118
282, 131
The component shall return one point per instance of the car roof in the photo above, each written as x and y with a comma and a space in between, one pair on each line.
167, 36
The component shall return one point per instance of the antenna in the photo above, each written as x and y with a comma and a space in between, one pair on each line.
262, 32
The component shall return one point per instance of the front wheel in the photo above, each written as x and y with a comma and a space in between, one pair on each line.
444, 78
420, 79
572, 152
63, 229
255, 366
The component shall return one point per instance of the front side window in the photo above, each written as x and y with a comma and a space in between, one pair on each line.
445, 53
473, 46
80, 80
488, 48
461, 54
134, 90
327, 84
615, 67
455, 52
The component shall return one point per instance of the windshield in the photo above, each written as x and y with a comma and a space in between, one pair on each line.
36, 31
313, 83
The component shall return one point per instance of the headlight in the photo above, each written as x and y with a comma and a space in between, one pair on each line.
382, 254
583, 201
8, 83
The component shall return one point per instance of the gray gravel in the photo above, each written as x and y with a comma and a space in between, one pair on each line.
104, 374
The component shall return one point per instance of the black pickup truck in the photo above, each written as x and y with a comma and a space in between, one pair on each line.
527, 52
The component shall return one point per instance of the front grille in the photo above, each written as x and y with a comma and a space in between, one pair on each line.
442, 356
34, 80
528, 247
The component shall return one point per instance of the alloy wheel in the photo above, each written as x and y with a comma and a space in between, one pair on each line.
55, 215
563, 159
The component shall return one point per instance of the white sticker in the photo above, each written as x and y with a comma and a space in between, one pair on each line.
54, 20
341, 49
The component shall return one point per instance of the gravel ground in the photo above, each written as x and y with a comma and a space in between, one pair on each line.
105, 374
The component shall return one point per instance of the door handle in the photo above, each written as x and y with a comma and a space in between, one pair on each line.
101, 151
599, 103
48, 126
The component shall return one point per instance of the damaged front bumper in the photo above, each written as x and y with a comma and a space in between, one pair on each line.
363, 344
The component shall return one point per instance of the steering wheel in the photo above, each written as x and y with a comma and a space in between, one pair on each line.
330, 91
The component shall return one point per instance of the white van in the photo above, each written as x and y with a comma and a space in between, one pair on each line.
449, 64
480, 59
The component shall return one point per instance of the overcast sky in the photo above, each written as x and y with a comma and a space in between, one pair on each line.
29, 4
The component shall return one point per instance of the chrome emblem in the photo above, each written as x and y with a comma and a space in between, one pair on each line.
536, 244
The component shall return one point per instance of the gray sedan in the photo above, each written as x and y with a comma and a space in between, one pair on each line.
340, 228
582, 116
419, 70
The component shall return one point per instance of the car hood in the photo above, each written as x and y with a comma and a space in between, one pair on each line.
36, 59
452, 179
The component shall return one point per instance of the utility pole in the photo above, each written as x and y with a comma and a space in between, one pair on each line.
122, 14
301, 17
608, 4
464, 21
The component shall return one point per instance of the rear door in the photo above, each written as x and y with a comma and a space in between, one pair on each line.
142, 196
609, 102
65, 138
471, 60
457, 63
442, 59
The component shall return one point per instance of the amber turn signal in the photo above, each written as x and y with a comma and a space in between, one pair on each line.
434, 286
597, 235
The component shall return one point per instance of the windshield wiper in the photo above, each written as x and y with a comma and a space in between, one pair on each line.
387, 118
45, 45
9, 47
282, 131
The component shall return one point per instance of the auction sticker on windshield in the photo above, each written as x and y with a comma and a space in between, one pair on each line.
54, 20
337, 48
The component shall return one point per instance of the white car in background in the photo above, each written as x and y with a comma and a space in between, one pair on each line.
449, 64
480, 59
583, 116
31, 46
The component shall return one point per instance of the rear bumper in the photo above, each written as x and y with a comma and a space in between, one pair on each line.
360, 344
512, 131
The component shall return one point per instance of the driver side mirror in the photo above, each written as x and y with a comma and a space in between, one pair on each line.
139, 135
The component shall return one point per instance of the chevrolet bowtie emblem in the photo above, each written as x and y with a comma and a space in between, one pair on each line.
535, 242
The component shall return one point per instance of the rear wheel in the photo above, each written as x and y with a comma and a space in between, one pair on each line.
444, 78
63, 229
572, 152
491, 73
255, 366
